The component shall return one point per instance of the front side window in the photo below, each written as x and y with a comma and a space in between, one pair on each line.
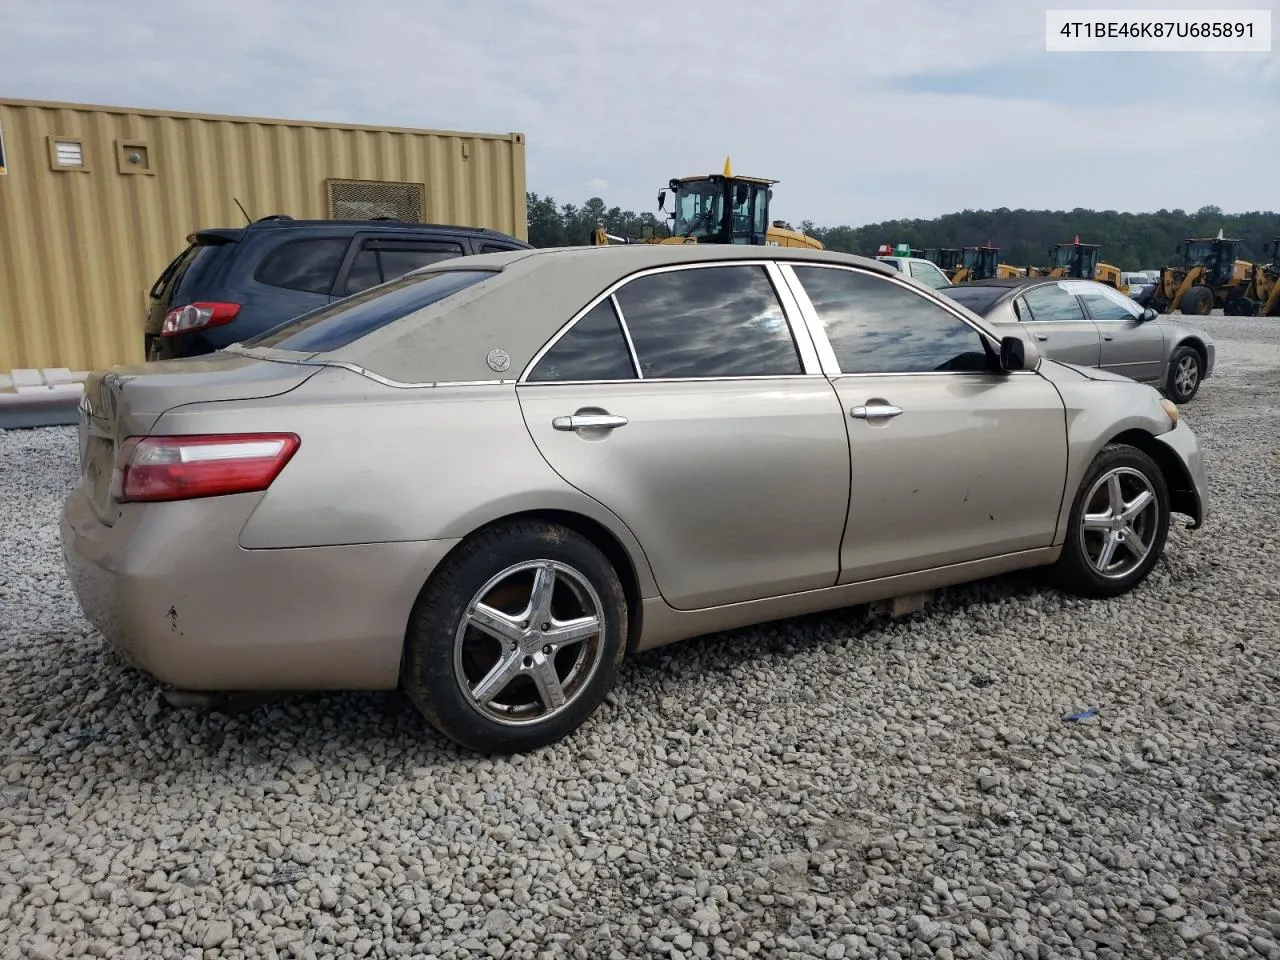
593, 349
708, 322
338, 324
1050, 303
1107, 305
878, 326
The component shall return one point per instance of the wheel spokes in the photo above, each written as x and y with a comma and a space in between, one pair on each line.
530, 641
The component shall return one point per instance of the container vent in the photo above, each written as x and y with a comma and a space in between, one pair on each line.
367, 199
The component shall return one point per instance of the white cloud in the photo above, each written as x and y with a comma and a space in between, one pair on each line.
617, 97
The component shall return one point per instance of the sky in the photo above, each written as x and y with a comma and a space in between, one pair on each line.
864, 110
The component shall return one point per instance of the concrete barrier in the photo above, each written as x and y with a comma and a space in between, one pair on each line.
40, 398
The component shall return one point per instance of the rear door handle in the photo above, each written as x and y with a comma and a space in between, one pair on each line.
875, 411
1041, 337
589, 421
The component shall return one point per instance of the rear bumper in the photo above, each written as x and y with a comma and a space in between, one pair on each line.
1193, 496
1209, 355
169, 587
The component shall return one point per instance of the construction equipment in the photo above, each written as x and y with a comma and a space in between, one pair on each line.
1262, 298
1080, 261
720, 208
1209, 276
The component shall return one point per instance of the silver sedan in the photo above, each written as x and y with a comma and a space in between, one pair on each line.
1090, 324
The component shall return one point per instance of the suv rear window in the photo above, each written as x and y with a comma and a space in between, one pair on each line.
187, 269
338, 324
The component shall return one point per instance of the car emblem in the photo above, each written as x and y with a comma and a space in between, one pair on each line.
498, 360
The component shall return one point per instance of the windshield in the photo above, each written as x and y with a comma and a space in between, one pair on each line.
699, 208
1199, 251
337, 324
978, 299
1064, 256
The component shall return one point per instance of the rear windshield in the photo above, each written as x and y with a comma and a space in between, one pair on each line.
977, 299
336, 325
185, 273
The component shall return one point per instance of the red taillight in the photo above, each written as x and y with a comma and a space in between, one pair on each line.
182, 468
197, 316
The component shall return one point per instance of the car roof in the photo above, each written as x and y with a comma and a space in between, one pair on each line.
284, 223
534, 294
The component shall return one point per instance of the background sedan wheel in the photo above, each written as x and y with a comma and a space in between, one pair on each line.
1184, 375
1119, 524
517, 639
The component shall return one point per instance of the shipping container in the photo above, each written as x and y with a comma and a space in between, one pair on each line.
96, 201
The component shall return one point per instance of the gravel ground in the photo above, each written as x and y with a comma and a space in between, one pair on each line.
830, 787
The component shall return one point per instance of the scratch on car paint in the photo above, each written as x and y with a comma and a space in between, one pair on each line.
173, 619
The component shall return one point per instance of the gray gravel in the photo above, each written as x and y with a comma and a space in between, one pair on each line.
830, 787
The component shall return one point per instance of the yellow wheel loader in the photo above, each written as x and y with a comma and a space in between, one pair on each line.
1080, 261
1209, 276
720, 208
1262, 298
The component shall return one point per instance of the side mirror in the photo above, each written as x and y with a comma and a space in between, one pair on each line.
1013, 353
662, 199
1148, 315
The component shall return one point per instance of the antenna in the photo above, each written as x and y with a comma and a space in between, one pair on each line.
247, 218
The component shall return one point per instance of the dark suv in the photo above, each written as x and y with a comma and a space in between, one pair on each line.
230, 284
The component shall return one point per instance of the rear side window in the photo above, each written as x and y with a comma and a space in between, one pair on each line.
594, 349
708, 322
928, 274
310, 264
496, 248
336, 325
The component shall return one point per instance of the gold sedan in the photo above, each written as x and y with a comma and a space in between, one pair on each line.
490, 480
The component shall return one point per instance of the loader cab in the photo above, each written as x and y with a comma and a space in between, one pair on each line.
720, 208
1216, 254
949, 259
1080, 260
982, 261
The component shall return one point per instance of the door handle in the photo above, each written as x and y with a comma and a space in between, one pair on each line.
1042, 337
589, 421
875, 411
1108, 339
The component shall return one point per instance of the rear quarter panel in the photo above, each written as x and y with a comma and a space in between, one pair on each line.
382, 464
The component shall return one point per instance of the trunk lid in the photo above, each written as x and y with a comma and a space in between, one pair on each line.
126, 401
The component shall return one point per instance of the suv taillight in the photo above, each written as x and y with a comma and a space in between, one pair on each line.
197, 316
183, 468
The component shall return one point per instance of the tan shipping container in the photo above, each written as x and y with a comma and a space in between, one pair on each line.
95, 201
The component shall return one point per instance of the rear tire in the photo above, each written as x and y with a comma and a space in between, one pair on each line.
1118, 525
1186, 371
1197, 302
501, 655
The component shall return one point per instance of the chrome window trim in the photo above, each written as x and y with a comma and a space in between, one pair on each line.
807, 371
626, 335
831, 366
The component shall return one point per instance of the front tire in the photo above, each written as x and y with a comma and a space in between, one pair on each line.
517, 639
1185, 374
1197, 302
1118, 525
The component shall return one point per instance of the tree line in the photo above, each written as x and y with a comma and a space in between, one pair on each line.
1131, 241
